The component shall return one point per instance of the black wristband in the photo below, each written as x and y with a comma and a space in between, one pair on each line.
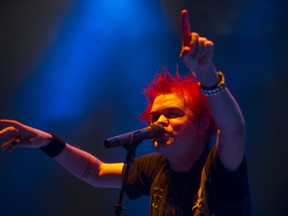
54, 147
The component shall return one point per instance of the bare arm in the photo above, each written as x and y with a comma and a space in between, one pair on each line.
197, 54
78, 162
89, 168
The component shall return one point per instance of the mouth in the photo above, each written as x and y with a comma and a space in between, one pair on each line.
161, 141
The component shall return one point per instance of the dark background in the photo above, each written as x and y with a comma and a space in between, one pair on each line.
78, 69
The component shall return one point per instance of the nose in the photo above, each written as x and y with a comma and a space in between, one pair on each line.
162, 120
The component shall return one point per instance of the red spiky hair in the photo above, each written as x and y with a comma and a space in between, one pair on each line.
187, 87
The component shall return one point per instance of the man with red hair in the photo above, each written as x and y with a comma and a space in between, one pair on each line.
189, 174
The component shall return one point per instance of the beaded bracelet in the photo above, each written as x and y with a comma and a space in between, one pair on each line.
54, 147
214, 90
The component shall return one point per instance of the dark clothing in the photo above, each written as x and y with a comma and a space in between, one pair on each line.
207, 189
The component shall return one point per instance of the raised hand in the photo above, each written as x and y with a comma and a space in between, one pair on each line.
20, 135
197, 51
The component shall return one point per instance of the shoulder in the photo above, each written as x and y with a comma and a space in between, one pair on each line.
224, 184
214, 166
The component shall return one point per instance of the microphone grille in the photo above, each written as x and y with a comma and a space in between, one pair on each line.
157, 130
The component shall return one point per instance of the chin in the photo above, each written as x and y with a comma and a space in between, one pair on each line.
161, 145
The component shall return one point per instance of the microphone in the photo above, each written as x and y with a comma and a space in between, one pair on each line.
135, 137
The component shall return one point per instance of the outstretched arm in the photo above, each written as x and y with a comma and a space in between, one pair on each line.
197, 54
78, 162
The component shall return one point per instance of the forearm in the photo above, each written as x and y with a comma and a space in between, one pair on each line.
229, 119
224, 107
227, 114
78, 162
89, 168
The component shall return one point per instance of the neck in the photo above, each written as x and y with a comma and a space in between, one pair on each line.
183, 161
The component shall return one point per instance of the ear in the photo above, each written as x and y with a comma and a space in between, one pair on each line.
203, 125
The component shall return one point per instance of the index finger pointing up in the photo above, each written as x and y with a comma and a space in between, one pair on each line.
185, 28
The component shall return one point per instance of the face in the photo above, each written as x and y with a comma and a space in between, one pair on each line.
170, 111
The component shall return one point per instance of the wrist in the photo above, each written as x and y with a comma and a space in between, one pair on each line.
54, 147
216, 89
207, 76
46, 140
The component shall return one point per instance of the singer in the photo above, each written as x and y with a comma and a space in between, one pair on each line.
190, 173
